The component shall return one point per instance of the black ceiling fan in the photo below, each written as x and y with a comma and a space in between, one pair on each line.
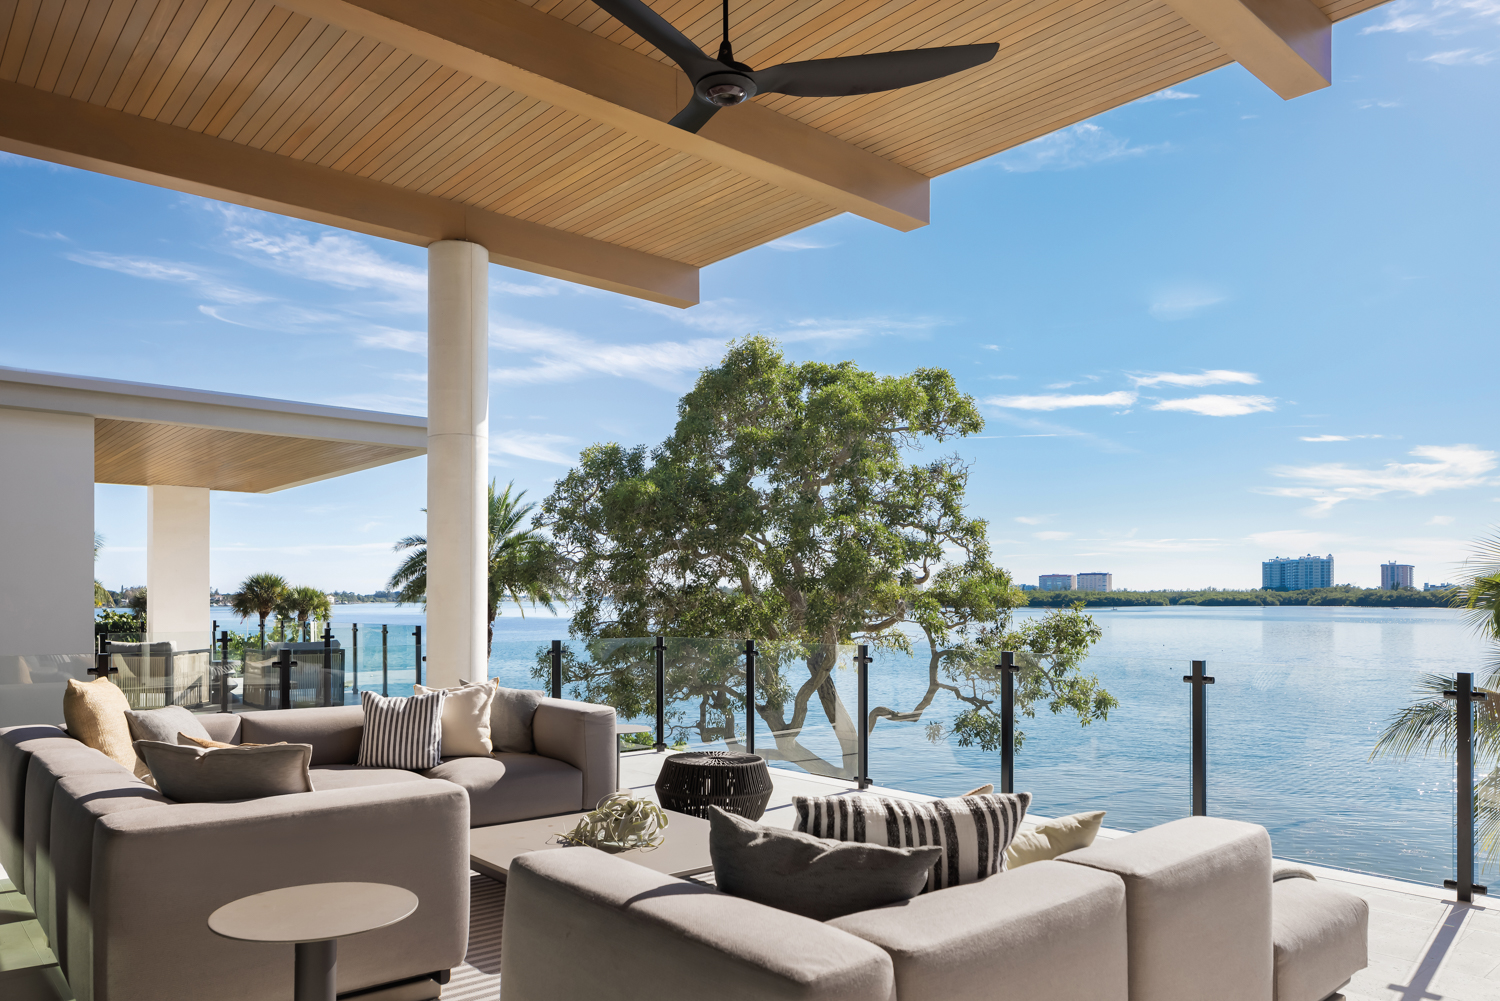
719, 83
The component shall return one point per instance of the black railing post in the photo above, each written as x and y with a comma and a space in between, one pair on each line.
661, 693
862, 766
750, 696
557, 669
326, 681
102, 667
417, 632
284, 665
1198, 679
1466, 697
354, 654
224, 671
1007, 668
385, 660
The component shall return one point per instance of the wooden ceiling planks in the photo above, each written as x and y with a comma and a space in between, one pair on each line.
142, 453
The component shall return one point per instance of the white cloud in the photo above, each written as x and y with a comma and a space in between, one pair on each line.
330, 258
1052, 536
1168, 95
1031, 521
1448, 467
1179, 304
1218, 406
54, 235
1460, 57
797, 242
1437, 17
1076, 146
1440, 519
1372, 102
1062, 402
560, 355
990, 347
414, 341
1208, 377
524, 445
153, 269
547, 287
1326, 437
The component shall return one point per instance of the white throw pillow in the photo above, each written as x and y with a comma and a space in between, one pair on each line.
466, 720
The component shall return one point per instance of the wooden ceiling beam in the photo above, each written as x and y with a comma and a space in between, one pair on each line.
63, 130
507, 43
1286, 44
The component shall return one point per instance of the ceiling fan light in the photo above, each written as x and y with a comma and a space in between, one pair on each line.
726, 94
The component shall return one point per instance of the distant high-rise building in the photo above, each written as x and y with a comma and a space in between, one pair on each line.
1394, 575
1436, 587
1056, 581
1096, 582
1297, 573
1027, 587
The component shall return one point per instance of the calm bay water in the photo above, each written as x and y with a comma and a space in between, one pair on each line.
1300, 696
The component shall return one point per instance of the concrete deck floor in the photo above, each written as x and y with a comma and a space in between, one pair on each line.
1424, 946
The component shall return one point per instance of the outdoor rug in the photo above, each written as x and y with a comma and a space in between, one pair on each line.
478, 977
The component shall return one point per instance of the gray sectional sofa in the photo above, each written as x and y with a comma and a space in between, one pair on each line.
123, 880
1181, 912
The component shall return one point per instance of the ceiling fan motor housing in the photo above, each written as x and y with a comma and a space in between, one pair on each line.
726, 88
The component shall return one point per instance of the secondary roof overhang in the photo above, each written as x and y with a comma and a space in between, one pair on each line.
162, 436
539, 129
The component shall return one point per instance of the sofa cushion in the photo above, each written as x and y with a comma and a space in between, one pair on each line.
973, 831
187, 774
402, 732
1047, 931
1321, 937
16, 746
1198, 893
353, 776
814, 877
95, 714
334, 731
1052, 838
164, 724
466, 720
46, 766
506, 786
512, 714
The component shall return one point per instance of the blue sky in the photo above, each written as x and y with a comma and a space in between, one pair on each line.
1207, 328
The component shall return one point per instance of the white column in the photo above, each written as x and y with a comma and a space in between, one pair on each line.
46, 559
177, 565
458, 435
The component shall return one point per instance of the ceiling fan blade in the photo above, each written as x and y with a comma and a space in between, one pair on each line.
694, 116
657, 30
846, 76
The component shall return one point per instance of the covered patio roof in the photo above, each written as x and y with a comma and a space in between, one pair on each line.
161, 436
539, 130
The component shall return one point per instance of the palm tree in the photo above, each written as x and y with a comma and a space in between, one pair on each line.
1432, 722
259, 594
521, 561
101, 593
305, 602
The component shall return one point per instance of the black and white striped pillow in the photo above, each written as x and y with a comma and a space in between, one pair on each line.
973, 831
402, 732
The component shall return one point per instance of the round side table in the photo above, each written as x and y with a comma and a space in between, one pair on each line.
313, 917
733, 781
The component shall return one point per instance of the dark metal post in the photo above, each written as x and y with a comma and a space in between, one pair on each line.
325, 682
1466, 697
557, 669
284, 665
223, 671
385, 660
862, 666
1198, 679
354, 655
1008, 669
661, 694
418, 634
102, 667
750, 696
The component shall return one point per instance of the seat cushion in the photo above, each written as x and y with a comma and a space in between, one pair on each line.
352, 776
508, 786
334, 732
16, 746
1321, 936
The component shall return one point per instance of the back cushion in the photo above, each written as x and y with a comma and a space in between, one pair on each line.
16, 745
334, 732
222, 726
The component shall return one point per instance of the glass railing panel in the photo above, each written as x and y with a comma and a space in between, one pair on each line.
156, 669
32, 685
807, 704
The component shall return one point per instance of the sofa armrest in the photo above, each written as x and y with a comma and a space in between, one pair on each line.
158, 874
580, 923
583, 735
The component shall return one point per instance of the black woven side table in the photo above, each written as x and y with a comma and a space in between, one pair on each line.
693, 782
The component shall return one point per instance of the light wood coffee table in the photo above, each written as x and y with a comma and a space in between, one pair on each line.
683, 853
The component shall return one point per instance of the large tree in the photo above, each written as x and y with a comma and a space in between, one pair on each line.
786, 508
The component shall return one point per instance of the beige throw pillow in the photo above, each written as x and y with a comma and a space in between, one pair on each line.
189, 740
95, 713
193, 775
466, 720
1052, 838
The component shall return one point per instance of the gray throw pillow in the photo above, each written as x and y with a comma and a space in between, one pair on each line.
195, 775
510, 719
164, 724
814, 877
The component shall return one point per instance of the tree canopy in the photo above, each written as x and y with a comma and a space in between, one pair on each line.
798, 504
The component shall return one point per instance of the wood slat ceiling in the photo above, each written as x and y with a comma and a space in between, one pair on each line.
141, 453
260, 75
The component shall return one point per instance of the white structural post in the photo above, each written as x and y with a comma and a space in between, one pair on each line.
47, 542
458, 435
177, 565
